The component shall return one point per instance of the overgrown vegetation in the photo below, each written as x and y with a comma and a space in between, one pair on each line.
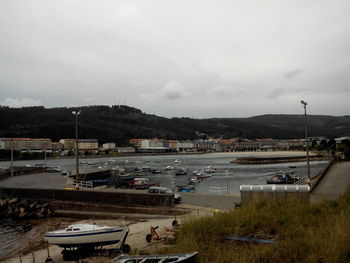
303, 233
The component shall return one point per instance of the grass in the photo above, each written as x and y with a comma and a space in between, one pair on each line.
304, 233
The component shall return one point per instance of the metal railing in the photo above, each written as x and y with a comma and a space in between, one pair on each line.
301, 181
83, 184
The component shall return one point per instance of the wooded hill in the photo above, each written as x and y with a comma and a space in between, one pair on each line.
120, 123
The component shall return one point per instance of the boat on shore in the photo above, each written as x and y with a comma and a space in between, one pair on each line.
79, 235
283, 178
158, 258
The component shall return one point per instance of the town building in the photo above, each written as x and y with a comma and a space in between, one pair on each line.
68, 144
108, 146
173, 145
227, 145
57, 146
88, 145
186, 146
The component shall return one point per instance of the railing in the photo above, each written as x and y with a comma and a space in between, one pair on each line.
83, 184
301, 181
217, 190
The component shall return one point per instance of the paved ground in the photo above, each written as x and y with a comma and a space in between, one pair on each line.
42, 180
57, 181
333, 184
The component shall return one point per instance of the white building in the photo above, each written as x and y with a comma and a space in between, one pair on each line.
108, 146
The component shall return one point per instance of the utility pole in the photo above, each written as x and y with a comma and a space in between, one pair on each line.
307, 144
45, 146
11, 157
76, 113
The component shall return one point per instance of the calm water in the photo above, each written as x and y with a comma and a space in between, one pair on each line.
227, 175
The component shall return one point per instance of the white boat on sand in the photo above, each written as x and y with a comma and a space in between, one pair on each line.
79, 235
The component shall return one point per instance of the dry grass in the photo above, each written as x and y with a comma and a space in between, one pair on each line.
304, 233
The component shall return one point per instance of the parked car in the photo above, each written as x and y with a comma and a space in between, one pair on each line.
53, 170
164, 190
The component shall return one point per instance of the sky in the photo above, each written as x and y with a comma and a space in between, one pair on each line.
183, 58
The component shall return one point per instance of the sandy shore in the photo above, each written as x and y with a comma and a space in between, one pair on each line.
34, 247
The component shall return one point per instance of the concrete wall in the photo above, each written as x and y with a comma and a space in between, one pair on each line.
279, 193
124, 199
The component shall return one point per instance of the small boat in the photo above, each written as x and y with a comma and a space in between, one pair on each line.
250, 239
186, 188
202, 174
181, 172
168, 168
78, 235
283, 178
158, 258
177, 161
195, 179
210, 169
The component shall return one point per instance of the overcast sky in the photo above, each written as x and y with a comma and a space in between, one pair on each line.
177, 58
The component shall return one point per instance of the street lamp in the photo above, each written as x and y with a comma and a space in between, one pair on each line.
307, 143
226, 177
76, 113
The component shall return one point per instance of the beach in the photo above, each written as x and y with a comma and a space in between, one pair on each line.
35, 247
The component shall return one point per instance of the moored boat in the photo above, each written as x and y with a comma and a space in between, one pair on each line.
158, 258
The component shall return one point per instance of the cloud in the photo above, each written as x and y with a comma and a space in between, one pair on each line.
223, 91
174, 90
17, 103
89, 99
293, 73
276, 92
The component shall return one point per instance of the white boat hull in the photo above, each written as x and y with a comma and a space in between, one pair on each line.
93, 237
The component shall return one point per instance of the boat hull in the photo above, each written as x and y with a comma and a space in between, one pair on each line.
105, 237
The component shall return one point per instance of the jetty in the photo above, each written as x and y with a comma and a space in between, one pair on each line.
270, 160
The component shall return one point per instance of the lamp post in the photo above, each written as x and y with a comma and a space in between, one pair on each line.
11, 157
307, 143
76, 113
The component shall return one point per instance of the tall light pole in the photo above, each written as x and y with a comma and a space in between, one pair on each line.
76, 113
226, 177
307, 143
11, 157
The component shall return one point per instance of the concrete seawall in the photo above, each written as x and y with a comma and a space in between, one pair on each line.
111, 198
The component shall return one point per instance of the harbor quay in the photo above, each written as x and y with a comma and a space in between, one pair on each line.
220, 192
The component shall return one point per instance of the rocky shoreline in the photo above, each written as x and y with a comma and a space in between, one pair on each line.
271, 160
24, 209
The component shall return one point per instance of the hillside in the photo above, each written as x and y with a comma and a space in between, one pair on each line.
120, 123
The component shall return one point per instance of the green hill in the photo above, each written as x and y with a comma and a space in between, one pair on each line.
120, 123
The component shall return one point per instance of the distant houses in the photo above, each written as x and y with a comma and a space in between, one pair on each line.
155, 145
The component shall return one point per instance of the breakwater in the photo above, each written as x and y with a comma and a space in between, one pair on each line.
271, 160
